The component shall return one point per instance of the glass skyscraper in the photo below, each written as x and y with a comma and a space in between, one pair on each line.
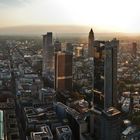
105, 73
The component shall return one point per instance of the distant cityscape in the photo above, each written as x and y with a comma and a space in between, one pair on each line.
69, 88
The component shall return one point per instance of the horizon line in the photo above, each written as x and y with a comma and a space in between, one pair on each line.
85, 27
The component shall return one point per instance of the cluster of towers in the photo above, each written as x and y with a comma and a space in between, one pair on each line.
57, 63
104, 54
106, 117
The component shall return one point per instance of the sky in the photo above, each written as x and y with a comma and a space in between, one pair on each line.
106, 15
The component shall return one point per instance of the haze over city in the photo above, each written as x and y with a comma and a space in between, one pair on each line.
103, 15
69, 70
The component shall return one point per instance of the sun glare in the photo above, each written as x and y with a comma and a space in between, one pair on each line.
112, 15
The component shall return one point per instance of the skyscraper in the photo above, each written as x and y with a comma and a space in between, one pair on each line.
48, 54
90, 44
105, 74
107, 124
57, 46
69, 47
110, 124
134, 49
63, 71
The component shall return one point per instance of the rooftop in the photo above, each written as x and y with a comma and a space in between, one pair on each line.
63, 129
44, 133
129, 130
112, 111
47, 91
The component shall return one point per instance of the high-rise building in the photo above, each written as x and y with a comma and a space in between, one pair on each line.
48, 54
110, 124
107, 124
63, 71
134, 49
57, 46
77, 123
105, 74
69, 47
90, 44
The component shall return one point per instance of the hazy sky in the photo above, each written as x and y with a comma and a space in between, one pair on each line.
113, 15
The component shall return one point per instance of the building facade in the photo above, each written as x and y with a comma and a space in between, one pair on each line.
105, 74
69, 47
64, 133
90, 44
110, 124
47, 96
134, 49
63, 71
57, 46
44, 134
48, 54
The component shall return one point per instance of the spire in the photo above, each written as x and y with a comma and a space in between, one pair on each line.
91, 34
91, 31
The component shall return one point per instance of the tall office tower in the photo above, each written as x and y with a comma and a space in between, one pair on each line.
134, 49
105, 74
48, 54
69, 47
57, 46
90, 44
63, 71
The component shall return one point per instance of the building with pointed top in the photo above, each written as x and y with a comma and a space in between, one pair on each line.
90, 44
